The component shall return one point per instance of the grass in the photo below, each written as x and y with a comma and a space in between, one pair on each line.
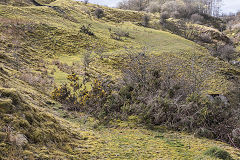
52, 34
127, 140
59, 37
218, 153
238, 48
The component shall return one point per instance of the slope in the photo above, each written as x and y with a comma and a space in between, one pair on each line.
36, 40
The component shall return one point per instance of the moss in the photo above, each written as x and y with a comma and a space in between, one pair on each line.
28, 154
218, 153
7, 118
2, 136
3, 56
238, 48
21, 123
11, 93
6, 105
50, 34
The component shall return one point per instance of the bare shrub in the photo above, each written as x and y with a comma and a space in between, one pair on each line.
180, 9
137, 5
170, 6
63, 66
225, 52
154, 6
118, 34
86, 1
87, 59
160, 92
145, 20
175, 14
164, 16
99, 13
87, 30
206, 38
158, 96
197, 18
41, 81
236, 26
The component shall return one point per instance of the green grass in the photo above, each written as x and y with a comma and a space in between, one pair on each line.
218, 153
129, 141
56, 36
238, 48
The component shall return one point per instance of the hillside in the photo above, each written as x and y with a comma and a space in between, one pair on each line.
41, 45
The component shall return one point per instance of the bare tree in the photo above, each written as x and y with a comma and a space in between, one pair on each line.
86, 1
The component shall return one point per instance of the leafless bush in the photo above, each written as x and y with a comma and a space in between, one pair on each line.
160, 91
137, 5
164, 16
41, 81
118, 34
206, 38
63, 66
86, 1
99, 13
236, 26
178, 9
225, 52
157, 94
87, 30
145, 20
154, 6
175, 14
197, 18
16, 29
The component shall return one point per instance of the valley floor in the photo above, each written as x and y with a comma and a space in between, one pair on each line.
130, 140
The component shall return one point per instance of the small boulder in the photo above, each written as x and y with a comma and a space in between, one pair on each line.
19, 139
217, 97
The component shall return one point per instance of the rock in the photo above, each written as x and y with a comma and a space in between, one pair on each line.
216, 97
18, 139
224, 99
237, 63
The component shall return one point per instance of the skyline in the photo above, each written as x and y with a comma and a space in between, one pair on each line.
229, 6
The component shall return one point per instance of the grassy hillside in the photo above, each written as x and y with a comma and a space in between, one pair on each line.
41, 45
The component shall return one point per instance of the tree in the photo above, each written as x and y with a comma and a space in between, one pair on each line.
86, 1
211, 7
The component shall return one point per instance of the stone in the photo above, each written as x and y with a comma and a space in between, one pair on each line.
215, 97
18, 139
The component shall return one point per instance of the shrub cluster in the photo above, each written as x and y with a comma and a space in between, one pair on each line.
99, 13
225, 52
63, 66
145, 20
158, 93
118, 34
197, 18
79, 98
39, 80
87, 30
